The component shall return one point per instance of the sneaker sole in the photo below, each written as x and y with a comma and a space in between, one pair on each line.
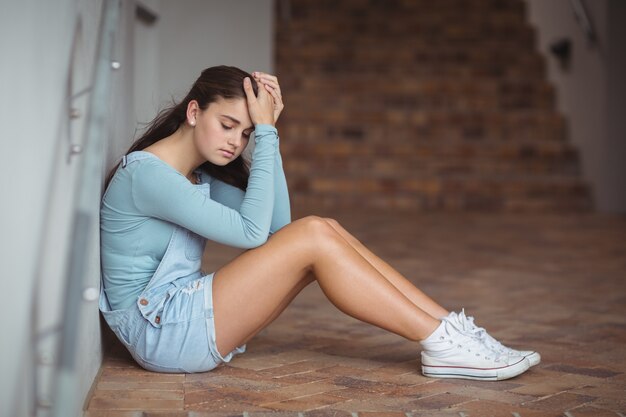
480, 374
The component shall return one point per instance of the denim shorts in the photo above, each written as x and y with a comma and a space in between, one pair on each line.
182, 339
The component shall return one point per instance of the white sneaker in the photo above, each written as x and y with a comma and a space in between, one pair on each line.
451, 353
467, 325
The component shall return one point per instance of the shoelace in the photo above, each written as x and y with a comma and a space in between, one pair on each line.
480, 332
473, 342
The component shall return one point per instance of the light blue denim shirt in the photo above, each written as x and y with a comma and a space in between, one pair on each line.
146, 199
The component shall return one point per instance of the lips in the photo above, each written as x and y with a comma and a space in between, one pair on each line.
226, 153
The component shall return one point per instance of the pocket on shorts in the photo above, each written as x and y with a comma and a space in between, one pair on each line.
194, 246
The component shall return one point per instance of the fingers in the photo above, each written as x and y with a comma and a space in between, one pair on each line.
264, 76
261, 106
275, 92
263, 94
277, 98
269, 83
247, 87
267, 79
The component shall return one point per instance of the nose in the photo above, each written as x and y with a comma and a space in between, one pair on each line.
235, 140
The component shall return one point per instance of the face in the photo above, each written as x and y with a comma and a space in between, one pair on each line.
223, 130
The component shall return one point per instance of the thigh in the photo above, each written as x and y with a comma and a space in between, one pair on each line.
248, 291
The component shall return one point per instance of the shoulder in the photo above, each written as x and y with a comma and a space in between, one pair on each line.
153, 169
151, 176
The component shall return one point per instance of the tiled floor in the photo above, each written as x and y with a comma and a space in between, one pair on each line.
556, 284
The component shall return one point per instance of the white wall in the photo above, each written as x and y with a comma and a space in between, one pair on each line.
193, 35
34, 140
588, 91
146, 66
38, 187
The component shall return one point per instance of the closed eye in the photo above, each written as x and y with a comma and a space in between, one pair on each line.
226, 127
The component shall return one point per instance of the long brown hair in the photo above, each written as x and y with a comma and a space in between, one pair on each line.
213, 83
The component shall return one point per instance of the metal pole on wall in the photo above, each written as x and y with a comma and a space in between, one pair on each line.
87, 203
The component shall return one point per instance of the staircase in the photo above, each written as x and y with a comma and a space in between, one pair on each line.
420, 105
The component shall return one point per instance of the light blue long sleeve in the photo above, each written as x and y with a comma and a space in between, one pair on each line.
233, 197
174, 199
282, 206
148, 197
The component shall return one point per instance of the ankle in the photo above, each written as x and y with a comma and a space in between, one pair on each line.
432, 333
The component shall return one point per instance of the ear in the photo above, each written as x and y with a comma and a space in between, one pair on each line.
192, 112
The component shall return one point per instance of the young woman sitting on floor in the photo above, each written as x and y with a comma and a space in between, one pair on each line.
185, 181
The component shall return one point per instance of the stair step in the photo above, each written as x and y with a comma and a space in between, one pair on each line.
353, 62
329, 67
303, 12
515, 184
431, 126
434, 193
417, 151
389, 168
373, 84
350, 97
326, 202
317, 45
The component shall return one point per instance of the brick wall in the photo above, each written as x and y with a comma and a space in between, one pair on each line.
419, 104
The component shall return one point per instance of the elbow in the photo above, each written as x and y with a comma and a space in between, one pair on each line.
256, 241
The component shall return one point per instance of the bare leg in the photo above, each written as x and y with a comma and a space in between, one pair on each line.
255, 287
407, 288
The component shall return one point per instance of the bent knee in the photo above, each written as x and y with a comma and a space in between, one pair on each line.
316, 223
318, 227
